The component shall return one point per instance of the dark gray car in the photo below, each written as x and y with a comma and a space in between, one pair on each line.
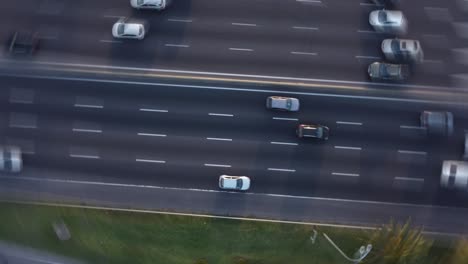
313, 131
388, 71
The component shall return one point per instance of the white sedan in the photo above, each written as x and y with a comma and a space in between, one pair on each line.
241, 183
10, 159
388, 21
283, 103
122, 29
149, 4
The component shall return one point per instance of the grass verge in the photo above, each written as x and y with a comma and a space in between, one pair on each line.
105, 236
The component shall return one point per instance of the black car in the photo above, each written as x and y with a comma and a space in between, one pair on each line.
387, 3
313, 131
23, 43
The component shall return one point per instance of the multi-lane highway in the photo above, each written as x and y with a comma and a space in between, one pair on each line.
327, 39
103, 121
182, 137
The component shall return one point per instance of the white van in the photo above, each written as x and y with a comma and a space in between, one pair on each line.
454, 175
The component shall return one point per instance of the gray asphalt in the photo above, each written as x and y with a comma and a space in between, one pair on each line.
290, 38
371, 154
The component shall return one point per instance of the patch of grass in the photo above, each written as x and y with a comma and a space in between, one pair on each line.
100, 236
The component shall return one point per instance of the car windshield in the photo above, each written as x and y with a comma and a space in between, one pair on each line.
239, 183
140, 2
121, 29
383, 71
382, 16
288, 103
319, 132
395, 46
392, 69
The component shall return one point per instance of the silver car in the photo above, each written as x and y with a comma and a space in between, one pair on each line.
124, 29
282, 103
388, 21
241, 183
402, 50
149, 4
10, 159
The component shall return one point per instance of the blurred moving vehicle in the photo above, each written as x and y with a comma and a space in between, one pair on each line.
123, 29
402, 50
283, 103
313, 131
149, 4
23, 43
465, 153
389, 3
388, 71
437, 123
388, 21
10, 159
454, 175
240, 183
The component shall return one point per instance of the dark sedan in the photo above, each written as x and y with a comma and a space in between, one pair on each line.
388, 71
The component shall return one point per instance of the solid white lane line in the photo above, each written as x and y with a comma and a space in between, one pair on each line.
22, 126
216, 114
305, 28
16, 101
412, 127
367, 57
345, 174
238, 49
369, 4
283, 170
349, 148
219, 139
283, 143
244, 24
84, 156
89, 106
112, 16
151, 135
349, 123
295, 79
368, 31
409, 179
304, 53
176, 45
412, 152
317, 198
86, 130
110, 41
217, 165
310, 1
180, 20
150, 161
153, 110
284, 118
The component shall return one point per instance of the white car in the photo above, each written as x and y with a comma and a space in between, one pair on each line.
282, 103
241, 183
402, 50
149, 4
122, 29
10, 159
388, 21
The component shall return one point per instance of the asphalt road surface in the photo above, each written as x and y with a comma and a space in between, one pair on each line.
185, 138
328, 39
